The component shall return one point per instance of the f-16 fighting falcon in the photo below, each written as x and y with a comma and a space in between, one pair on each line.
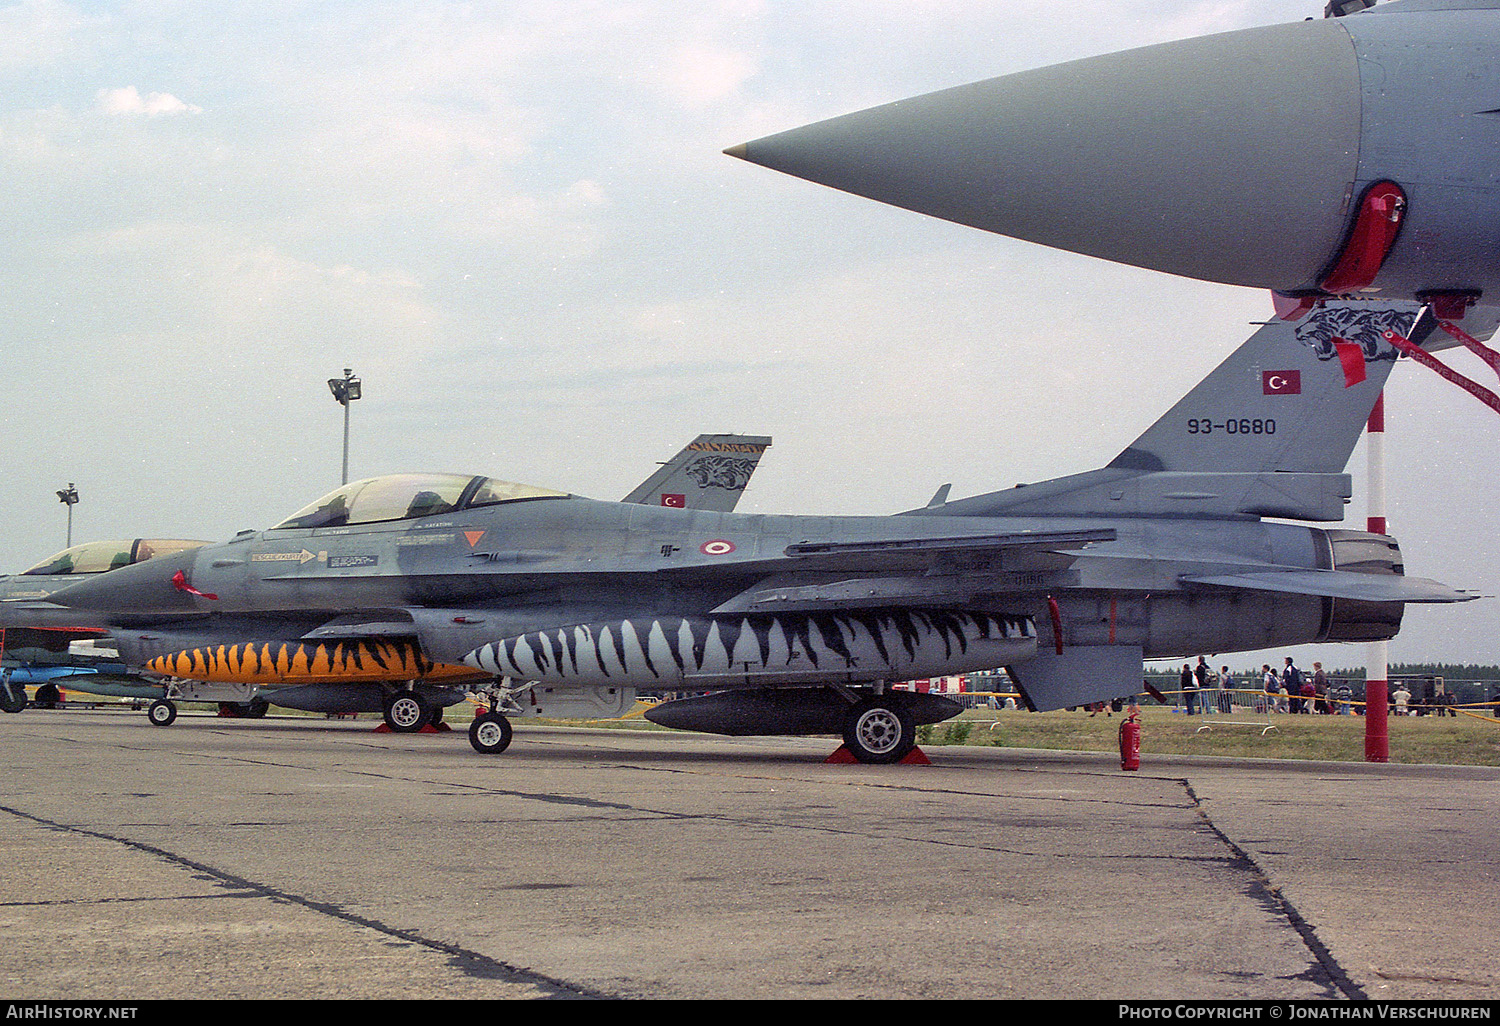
800, 624
1351, 154
42, 650
710, 473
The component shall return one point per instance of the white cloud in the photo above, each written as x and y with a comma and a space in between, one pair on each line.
515, 222
129, 101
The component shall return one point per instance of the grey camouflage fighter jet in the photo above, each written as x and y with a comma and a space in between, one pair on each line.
710, 472
42, 650
801, 624
1343, 155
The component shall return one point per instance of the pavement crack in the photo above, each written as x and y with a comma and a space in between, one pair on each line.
1329, 974
469, 962
78, 902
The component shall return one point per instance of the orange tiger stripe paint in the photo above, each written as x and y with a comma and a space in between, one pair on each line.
297, 662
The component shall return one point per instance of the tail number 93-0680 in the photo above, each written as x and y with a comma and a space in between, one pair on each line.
1242, 426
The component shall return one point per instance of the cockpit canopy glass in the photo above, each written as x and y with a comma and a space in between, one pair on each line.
97, 557
408, 496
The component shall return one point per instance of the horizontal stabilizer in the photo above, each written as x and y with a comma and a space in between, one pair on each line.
1080, 675
1340, 584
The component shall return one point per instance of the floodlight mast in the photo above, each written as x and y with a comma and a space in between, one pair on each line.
345, 390
68, 496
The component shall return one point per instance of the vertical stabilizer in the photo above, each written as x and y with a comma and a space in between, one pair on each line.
1267, 433
709, 474
1293, 399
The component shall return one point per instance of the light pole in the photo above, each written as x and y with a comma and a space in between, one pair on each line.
68, 497
345, 389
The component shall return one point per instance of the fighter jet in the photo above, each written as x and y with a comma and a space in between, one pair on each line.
1338, 156
709, 473
40, 649
802, 624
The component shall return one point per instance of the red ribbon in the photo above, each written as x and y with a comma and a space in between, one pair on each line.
179, 581
1426, 359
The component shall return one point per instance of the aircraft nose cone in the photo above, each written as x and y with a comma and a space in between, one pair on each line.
160, 585
1228, 158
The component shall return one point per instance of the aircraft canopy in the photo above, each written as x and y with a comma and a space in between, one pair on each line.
408, 496
97, 557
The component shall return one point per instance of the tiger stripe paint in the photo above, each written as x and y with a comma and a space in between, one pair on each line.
305, 663
894, 644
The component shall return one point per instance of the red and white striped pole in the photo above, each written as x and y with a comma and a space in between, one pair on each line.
1377, 729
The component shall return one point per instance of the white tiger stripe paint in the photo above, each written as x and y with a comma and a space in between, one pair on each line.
672, 651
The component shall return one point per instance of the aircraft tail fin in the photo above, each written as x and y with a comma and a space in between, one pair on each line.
1267, 433
710, 473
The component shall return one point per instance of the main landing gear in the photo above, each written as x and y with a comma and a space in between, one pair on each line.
407, 712
12, 695
412, 711
879, 731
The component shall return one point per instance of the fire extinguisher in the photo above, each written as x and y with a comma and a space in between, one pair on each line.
1130, 743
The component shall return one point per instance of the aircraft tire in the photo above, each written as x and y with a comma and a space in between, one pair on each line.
47, 696
257, 708
407, 712
12, 697
161, 712
490, 734
878, 731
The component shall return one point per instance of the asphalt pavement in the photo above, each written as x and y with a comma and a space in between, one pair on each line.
309, 858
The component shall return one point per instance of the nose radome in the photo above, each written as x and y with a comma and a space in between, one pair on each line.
1227, 158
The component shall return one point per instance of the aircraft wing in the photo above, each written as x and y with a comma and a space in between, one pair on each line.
1338, 584
914, 571
49, 639
376, 623
1049, 548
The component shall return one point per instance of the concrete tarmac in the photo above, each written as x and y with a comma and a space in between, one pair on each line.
308, 858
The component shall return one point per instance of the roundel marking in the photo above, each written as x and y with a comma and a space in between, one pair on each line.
717, 547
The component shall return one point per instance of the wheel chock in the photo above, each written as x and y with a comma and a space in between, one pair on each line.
441, 728
915, 757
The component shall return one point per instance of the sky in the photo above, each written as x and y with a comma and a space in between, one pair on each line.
515, 223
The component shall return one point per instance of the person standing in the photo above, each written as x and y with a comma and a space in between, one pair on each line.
1291, 683
1189, 689
1342, 695
1204, 676
1401, 697
1271, 685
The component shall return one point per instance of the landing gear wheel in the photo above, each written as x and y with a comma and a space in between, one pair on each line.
12, 697
161, 712
407, 712
490, 733
878, 731
257, 708
437, 715
47, 696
